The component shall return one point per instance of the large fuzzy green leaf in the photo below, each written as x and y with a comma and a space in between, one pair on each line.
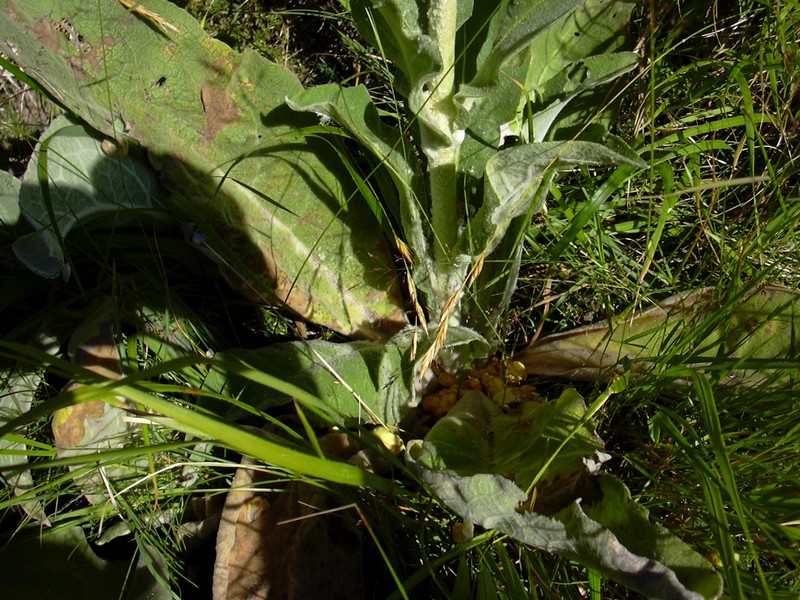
513, 177
596, 27
577, 78
493, 97
518, 24
517, 445
480, 460
515, 186
554, 56
560, 72
353, 109
399, 28
748, 340
358, 381
69, 181
274, 208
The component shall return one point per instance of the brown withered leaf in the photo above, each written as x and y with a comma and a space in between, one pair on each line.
91, 427
272, 545
753, 338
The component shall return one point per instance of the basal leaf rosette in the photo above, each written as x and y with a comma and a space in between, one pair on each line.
479, 460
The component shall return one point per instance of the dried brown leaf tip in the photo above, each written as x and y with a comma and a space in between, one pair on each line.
148, 15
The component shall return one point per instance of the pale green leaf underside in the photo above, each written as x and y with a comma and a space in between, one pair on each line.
83, 184
513, 177
478, 459
632, 551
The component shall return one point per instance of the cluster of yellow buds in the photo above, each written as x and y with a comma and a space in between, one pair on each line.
498, 379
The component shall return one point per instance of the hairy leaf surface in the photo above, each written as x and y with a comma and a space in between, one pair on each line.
361, 381
276, 209
513, 177
478, 460
71, 180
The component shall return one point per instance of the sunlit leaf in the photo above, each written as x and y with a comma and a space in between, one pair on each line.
395, 26
364, 382
210, 118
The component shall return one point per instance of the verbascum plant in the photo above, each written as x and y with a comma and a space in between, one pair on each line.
491, 103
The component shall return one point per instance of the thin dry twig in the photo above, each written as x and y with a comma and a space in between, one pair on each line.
444, 318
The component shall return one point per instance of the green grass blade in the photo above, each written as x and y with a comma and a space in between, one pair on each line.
241, 440
612, 185
729, 483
